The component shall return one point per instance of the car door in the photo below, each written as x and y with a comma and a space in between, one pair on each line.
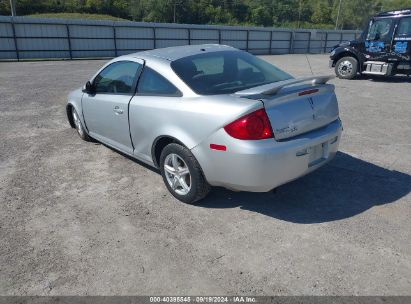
106, 110
378, 39
152, 108
402, 40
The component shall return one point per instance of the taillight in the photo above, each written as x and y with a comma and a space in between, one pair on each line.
253, 126
308, 92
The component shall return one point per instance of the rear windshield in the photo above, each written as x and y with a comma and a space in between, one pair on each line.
225, 72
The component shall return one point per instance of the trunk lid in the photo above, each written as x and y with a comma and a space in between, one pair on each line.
295, 108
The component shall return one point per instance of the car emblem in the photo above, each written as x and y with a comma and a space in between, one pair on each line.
289, 129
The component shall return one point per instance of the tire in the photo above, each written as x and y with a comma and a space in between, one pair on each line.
346, 68
189, 184
81, 131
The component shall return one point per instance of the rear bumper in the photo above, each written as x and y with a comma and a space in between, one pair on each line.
259, 166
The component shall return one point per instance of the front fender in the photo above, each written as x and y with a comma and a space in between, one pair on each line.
343, 51
74, 100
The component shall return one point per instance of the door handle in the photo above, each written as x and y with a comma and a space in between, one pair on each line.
117, 110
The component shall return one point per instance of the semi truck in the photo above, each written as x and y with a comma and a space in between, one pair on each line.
384, 48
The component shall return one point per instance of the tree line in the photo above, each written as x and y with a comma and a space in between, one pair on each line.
278, 13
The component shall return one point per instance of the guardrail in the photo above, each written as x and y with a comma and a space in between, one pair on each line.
34, 38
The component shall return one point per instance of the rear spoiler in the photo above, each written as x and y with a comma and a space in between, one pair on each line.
273, 88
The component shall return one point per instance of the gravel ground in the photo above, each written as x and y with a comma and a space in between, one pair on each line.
78, 218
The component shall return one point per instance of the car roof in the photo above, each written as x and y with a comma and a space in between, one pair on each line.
402, 12
177, 52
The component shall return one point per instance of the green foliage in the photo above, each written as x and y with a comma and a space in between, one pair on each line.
280, 13
354, 14
322, 12
77, 16
396, 4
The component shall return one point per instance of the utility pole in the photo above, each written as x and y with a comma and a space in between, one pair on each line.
175, 3
299, 13
338, 15
13, 7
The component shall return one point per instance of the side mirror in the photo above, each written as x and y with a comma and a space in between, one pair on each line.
88, 88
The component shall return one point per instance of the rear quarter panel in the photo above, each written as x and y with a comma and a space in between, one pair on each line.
189, 120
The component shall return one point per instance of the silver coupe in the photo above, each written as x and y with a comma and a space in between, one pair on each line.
210, 115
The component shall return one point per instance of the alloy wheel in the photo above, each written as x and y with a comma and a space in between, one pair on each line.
77, 123
177, 174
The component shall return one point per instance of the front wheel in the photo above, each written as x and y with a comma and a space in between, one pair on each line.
182, 174
79, 126
346, 68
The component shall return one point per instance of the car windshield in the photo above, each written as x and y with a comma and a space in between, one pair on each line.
225, 72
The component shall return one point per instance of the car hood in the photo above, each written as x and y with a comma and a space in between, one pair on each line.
350, 43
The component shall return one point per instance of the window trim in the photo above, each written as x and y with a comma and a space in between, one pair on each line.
135, 81
137, 93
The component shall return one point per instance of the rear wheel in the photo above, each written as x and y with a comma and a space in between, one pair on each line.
79, 126
346, 68
182, 174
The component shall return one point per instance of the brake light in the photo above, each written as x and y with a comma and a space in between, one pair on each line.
308, 92
253, 126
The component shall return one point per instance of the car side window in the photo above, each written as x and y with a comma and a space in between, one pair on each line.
380, 30
404, 27
117, 78
152, 83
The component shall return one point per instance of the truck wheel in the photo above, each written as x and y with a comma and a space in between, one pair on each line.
182, 174
346, 68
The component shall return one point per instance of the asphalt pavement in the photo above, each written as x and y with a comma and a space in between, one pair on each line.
78, 218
